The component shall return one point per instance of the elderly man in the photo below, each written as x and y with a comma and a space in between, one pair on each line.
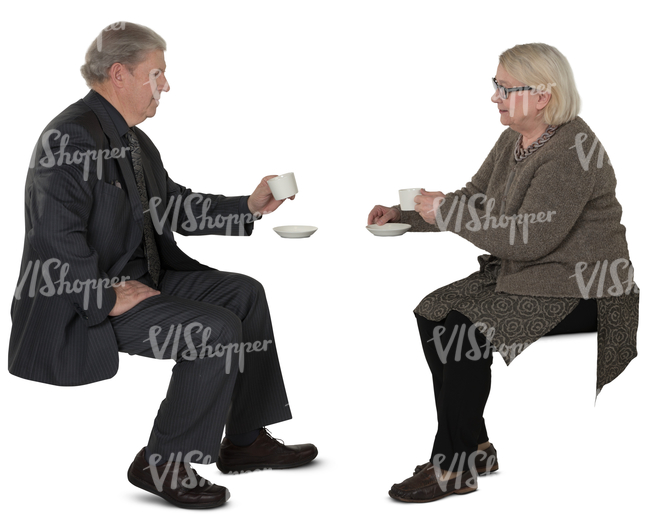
101, 272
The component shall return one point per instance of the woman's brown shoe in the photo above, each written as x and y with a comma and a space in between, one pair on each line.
425, 487
485, 462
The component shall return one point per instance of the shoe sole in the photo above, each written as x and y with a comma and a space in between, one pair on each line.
484, 471
462, 491
262, 467
147, 487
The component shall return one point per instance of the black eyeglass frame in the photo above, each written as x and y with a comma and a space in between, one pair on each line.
504, 91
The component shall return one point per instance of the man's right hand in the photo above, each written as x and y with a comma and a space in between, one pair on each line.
129, 294
381, 215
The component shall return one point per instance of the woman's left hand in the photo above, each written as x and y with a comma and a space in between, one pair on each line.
427, 205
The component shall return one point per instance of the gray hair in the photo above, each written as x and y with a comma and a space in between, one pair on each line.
121, 42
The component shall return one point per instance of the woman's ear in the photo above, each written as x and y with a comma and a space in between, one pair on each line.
544, 98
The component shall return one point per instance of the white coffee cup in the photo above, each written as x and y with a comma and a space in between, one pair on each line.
406, 198
283, 186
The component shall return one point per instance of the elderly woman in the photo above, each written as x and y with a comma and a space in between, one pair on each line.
543, 205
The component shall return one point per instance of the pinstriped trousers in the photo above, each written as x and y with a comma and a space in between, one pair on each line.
217, 327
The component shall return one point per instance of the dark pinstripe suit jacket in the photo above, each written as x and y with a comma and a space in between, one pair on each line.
81, 226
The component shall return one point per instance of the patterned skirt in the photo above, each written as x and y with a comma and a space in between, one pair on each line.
512, 322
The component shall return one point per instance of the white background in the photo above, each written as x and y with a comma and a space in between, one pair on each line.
359, 99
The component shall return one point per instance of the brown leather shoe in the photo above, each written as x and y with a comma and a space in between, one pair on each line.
425, 487
265, 453
176, 482
485, 462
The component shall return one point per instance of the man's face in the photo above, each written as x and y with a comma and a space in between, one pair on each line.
142, 88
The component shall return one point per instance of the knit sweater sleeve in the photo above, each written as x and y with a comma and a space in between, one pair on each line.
477, 185
556, 197
410, 217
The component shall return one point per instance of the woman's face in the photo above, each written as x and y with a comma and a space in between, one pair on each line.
521, 109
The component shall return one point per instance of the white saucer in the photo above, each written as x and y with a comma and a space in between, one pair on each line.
389, 229
295, 231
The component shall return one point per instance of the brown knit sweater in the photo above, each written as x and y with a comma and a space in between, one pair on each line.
560, 234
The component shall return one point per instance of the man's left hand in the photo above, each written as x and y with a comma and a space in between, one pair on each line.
261, 200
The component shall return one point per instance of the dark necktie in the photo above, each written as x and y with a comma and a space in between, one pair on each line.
151, 250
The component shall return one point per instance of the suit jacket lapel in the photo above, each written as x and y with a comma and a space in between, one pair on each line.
126, 167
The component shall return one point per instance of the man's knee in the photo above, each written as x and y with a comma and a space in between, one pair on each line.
249, 286
250, 294
202, 337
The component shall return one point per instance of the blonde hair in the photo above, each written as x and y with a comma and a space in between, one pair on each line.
547, 70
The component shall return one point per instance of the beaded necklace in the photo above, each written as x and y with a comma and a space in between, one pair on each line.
521, 154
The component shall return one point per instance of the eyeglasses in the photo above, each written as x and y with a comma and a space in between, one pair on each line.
503, 91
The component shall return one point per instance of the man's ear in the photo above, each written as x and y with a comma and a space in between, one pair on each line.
117, 75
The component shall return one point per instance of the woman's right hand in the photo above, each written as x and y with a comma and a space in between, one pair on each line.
381, 215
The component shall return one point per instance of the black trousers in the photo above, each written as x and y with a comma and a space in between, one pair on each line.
459, 358
216, 326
